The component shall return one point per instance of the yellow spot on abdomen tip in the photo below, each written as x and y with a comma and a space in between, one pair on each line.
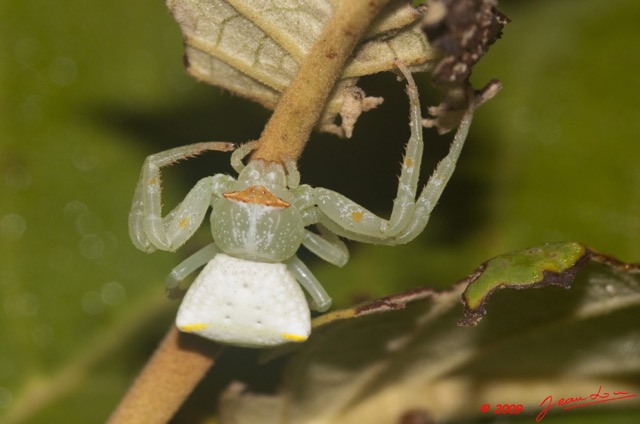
293, 337
357, 216
184, 222
191, 328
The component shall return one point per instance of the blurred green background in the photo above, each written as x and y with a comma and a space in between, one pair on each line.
89, 89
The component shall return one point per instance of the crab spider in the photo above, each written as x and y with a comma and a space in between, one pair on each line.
248, 292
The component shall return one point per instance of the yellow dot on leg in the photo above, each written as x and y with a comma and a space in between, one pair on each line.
357, 216
184, 222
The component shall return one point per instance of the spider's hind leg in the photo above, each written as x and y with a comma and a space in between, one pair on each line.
320, 300
189, 265
326, 245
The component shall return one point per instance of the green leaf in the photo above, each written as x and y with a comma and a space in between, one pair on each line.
554, 263
380, 361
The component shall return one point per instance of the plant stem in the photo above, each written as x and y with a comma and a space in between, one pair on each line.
166, 381
299, 108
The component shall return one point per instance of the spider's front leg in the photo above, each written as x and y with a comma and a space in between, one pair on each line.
409, 215
148, 229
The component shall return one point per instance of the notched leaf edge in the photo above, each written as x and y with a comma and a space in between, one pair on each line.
475, 309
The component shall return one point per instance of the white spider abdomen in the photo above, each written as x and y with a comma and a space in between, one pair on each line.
245, 303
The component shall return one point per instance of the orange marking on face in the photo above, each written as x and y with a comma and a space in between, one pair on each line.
357, 216
257, 194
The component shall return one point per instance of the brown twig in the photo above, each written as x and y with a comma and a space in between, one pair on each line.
171, 374
299, 109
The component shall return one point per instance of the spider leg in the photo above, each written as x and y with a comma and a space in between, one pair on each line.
354, 220
436, 184
320, 300
189, 265
408, 217
293, 175
240, 153
148, 230
411, 162
326, 245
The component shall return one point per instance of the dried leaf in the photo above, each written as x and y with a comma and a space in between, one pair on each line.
253, 48
404, 354
462, 30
